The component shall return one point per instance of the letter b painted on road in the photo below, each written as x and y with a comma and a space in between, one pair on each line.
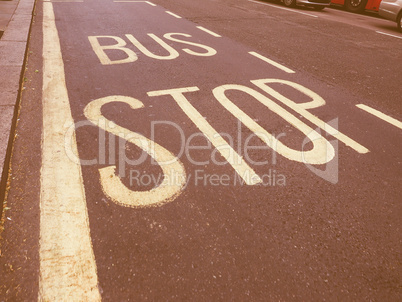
103, 57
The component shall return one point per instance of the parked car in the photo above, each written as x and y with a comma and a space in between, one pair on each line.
392, 10
358, 6
316, 4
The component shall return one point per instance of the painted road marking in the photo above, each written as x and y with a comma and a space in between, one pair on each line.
380, 115
209, 50
103, 57
209, 32
128, 1
284, 8
67, 262
380, 32
64, 1
174, 174
301, 108
173, 14
273, 63
131, 56
173, 54
322, 151
230, 155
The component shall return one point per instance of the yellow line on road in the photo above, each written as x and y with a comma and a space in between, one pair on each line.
67, 262
381, 115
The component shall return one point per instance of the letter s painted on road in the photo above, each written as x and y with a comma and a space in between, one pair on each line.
111, 183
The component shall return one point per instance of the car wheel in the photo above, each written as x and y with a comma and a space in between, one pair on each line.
399, 21
289, 3
356, 6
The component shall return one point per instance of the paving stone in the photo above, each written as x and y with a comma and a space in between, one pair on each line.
4, 19
6, 117
8, 7
9, 84
18, 28
12, 53
25, 7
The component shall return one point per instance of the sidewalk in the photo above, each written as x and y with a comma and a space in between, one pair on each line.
15, 21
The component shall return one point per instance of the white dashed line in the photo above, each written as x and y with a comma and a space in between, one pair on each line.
67, 262
380, 115
64, 1
284, 8
173, 14
273, 63
380, 32
209, 32
128, 1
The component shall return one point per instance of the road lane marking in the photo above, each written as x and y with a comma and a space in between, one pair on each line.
301, 108
173, 14
128, 1
227, 152
284, 8
380, 115
273, 63
64, 1
380, 32
174, 174
209, 32
322, 151
67, 262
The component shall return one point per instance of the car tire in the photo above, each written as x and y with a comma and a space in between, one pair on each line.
399, 21
289, 3
356, 6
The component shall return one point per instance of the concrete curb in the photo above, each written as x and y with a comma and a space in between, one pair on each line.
13, 47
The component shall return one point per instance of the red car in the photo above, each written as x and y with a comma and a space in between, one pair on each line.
358, 6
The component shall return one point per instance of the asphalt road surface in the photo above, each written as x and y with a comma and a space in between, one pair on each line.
207, 150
